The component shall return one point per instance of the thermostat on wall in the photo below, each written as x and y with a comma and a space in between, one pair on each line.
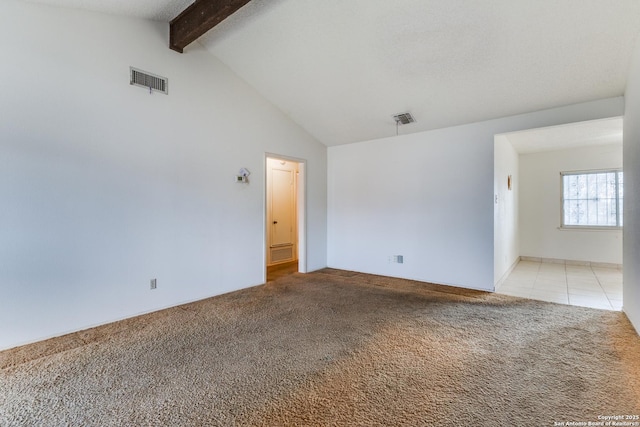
243, 176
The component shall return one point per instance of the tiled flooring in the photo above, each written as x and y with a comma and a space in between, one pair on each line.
567, 284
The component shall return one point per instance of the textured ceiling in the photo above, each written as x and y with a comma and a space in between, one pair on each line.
342, 68
156, 10
595, 132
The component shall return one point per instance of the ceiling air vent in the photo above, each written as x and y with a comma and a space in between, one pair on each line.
149, 81
404, 118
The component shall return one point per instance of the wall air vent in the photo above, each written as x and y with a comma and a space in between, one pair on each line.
148, 81
404, 118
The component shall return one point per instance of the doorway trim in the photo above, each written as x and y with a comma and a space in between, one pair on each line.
301, 211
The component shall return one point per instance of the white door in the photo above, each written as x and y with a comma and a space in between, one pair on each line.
281, 213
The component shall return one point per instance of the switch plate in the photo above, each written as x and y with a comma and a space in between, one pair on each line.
153, 284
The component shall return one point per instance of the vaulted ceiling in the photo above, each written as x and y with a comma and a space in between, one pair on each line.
342, 68
156, 10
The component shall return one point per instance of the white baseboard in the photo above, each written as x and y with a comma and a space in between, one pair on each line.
506, 274
572, 262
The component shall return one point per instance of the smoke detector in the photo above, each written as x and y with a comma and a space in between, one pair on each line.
403, 118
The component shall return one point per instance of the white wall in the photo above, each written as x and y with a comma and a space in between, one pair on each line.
506, 244
428, 196
631, 287
540, 206
104, 186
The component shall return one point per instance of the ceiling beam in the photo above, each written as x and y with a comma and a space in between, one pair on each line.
199, 18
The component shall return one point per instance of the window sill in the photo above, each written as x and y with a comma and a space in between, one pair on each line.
588, 228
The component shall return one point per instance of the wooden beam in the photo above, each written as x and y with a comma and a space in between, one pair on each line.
199, 18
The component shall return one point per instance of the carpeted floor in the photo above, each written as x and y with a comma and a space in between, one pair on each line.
333, 348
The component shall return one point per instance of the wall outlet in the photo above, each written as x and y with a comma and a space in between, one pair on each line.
396, 259
153, 284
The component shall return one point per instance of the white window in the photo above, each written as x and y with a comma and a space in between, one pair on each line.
592, 199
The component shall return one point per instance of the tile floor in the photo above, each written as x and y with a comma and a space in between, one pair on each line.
566, 284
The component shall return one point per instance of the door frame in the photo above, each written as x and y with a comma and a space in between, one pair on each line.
301, 212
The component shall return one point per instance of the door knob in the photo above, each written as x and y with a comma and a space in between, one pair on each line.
275, 222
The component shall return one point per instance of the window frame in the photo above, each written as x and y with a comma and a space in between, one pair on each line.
619, 212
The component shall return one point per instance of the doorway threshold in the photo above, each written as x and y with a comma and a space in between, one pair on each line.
280, 270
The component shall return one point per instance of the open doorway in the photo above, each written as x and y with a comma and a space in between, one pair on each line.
285, 223
557, 216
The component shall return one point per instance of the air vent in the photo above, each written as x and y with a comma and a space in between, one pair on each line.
281, 254
149, 81
404, 118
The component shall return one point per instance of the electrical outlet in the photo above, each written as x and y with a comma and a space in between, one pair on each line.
154, 284
396, 259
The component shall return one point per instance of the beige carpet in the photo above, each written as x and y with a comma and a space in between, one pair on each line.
333, 348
